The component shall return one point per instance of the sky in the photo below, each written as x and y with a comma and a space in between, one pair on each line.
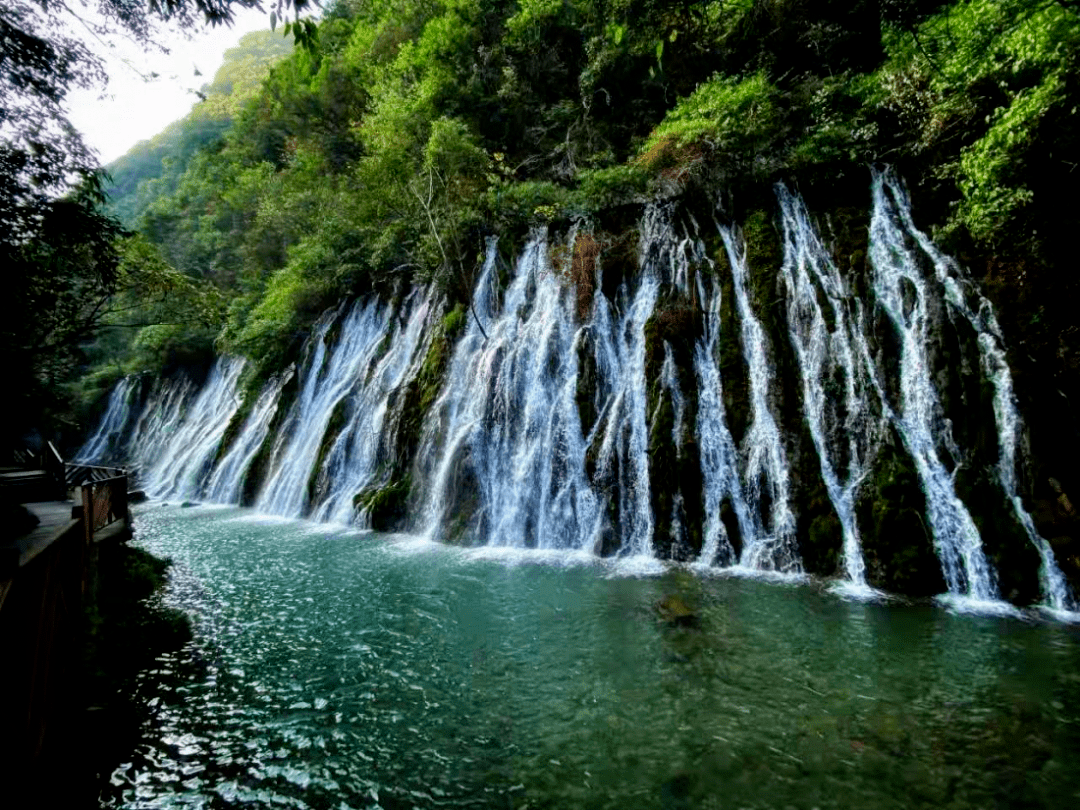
130, 109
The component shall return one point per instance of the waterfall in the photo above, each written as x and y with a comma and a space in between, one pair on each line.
227, 481
506, 432
620, 358
840, 421
108, 442
181, 469
965, 298
670, 383
539, 433
327, 380
903, 292
1054, 587
719, 455
770, 546
352, 460
158, 424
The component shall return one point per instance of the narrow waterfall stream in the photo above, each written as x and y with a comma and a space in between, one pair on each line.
352, 459
841, 424
721, 480
508, 435
110, 437
158, 424
903, 291
771, 544
963, 296
184, 465
226, 484
541, 433
328, 379
620, 356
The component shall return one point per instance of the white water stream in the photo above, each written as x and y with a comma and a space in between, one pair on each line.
503, 459
835, 379
182, 465
329, 377
895, 222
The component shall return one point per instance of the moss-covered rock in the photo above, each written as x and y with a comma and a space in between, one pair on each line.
586, 384
386, 506
898, 546
734, 376
674, 460
619, 261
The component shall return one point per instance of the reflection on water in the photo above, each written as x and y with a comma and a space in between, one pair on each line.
343, 669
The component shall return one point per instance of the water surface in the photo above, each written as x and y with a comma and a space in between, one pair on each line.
339, 669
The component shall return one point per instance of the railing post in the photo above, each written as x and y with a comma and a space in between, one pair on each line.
120, 499
54, 465
88, 511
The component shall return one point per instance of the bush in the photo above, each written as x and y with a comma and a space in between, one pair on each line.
738, 120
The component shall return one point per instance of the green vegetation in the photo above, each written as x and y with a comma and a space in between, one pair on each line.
401, 135
152, 168
385, 150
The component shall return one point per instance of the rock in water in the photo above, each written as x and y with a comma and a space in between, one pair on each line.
675, 612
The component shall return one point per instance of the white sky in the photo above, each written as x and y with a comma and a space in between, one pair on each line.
130, 109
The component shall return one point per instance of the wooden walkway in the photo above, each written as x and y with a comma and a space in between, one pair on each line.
48, 573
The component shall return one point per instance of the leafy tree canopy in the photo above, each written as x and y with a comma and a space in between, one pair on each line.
63, 257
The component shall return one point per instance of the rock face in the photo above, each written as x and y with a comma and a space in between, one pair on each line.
725, 393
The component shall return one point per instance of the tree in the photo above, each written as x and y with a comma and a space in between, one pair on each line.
48, 48
59, 250
57, 286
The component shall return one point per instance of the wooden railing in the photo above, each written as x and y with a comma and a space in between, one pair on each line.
53, 464
77, 474
103, 503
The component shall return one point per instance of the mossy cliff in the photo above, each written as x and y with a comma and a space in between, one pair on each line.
598, 269
385, 502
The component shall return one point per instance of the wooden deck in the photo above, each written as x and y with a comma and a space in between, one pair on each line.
48, 573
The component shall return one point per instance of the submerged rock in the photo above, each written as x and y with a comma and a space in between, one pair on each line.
674, 610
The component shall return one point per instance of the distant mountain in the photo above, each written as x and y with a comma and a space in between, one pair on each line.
151, 168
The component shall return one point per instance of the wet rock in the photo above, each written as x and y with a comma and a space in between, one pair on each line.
137, 496
674, 610
188, 504
1063, 502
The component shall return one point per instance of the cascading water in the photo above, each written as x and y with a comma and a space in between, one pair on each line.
331, 376
159, 423
110, 439
352, 460
508, 414
670, 383
227, 481
966, 299
903, 292
504, 460
840, 421
719, 455
770, 546
181, 469
620, 359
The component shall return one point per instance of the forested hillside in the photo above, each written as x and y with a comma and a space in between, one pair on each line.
407, 132
151, 168
388, 150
